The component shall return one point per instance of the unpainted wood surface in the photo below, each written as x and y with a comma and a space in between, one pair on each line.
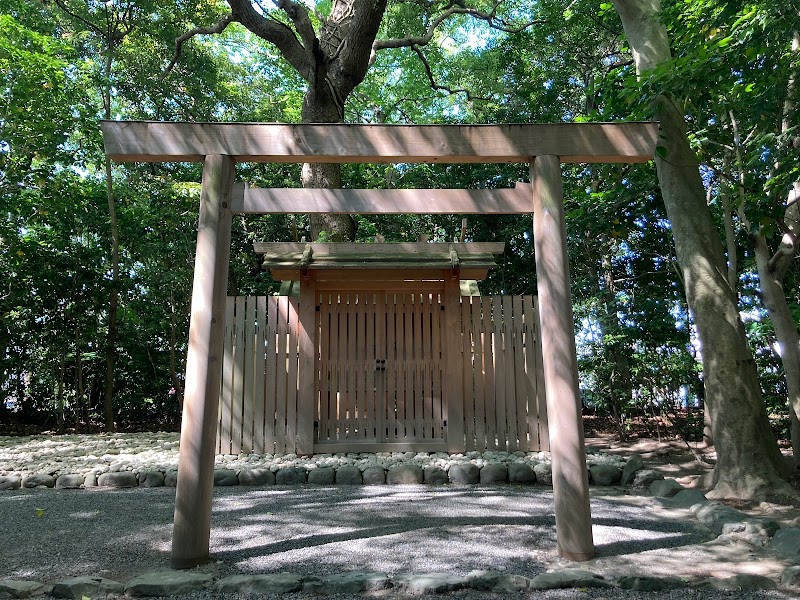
259, 201
151, 141
379, 373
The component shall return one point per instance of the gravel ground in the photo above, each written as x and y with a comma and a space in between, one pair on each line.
53, 534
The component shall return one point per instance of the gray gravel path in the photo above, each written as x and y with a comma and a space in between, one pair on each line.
53, 534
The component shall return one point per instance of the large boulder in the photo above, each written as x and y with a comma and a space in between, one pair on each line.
429, 583
19, 588
351, 475
521, 473
256, 477
168, 583
633, 464
544, 473
605, 474
39, 480
644, 477
687, 498
568, 578
10, 482
118, 479
348, 583
435, 476
786, 541
404, 475
464, 474
70, 481
225, 477
373, 476
665, 488
151, 479
77, 588
268, 586
494, 474
290, 476
322, 476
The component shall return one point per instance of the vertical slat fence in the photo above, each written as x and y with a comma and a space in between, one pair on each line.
380, 379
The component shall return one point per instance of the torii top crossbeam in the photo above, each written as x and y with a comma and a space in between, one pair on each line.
221, 145
150, 141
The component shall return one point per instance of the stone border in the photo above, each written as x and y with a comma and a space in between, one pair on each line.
402, 473
728, 523
173, 583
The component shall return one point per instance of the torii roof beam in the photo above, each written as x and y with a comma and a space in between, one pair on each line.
150, 141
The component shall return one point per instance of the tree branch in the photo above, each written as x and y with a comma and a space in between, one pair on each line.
437, 86
299, 17
277, 33
218, 28
452, 10
63, 6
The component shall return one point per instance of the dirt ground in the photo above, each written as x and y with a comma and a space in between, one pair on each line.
686, 462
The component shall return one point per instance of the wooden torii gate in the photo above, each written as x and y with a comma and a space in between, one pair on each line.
220, 145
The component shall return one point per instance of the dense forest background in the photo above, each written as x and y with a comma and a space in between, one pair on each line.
96, 258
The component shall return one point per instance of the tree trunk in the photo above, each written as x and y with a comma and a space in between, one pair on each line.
111, 335
177, 385
322, 107
60, 420
621, 387
771, 274
749, 462
113, 300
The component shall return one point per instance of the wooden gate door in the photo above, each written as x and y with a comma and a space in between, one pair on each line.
381, 372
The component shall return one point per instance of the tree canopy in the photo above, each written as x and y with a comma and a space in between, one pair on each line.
97, 258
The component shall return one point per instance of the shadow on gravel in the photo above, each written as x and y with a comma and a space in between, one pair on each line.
52, 534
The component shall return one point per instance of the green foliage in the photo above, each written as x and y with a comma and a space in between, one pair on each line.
633, 330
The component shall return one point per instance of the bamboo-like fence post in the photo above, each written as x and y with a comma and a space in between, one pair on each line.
567, 447
192, 530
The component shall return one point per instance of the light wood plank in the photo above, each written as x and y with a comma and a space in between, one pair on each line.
382, 376
519, 374
351, 391
192, 522
292, 381
250, 352
148, 141
480, 367
567, 449
510, 431
259, 375
226, 397
370, 365
417, 387
490, 398
541, 389
238, 377
307, 367
261, 201
469, 356
436, 363
350, 446
456, 442
323, 431
500, 397
281, 374
341, 369
271, 376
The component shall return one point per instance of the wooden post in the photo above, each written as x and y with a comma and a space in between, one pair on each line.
567, 448
452, 389
307, 344
192, 529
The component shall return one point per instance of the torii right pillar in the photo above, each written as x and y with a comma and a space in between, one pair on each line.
567, 446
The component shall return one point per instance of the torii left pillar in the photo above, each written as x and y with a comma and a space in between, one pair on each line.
192, 529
